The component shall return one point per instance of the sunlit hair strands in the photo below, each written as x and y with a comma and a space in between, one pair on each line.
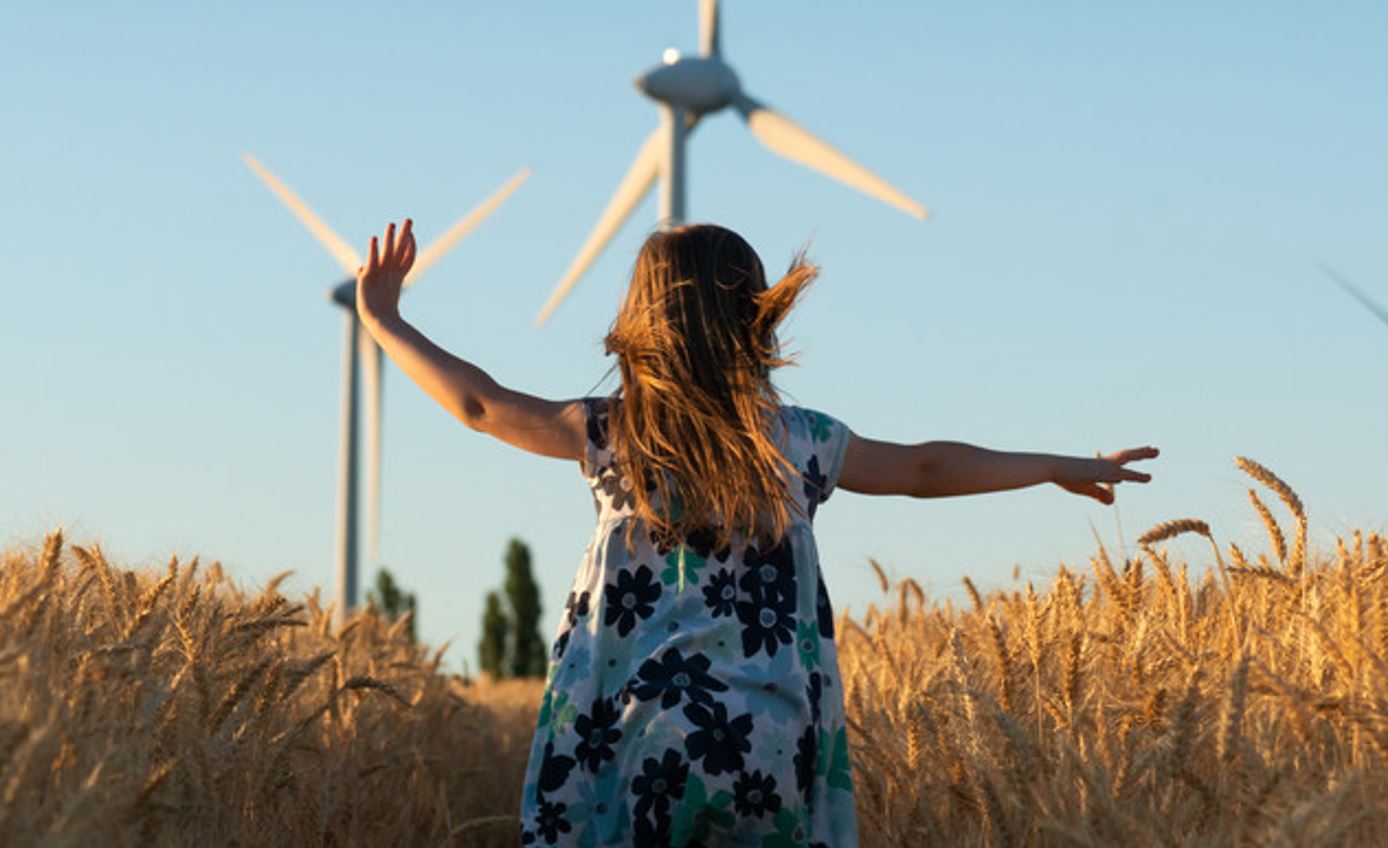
696, 343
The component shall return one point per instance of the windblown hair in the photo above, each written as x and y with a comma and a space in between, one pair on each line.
693, 428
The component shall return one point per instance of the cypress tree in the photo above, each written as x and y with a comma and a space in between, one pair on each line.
528, 656
491, 650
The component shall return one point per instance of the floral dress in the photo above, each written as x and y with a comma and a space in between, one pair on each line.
693, 695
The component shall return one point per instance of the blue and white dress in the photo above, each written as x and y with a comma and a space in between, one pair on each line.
693, 695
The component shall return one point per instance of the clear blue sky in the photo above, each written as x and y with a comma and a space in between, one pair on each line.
1128, 208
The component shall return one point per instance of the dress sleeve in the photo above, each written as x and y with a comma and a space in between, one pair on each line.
827, 440
597, 452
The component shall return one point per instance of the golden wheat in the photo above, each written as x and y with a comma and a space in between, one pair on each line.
1248, 711
1248, 706
173, 709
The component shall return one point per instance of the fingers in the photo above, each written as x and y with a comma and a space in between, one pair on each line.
407, 242
1134, 454
1096, 478
1102, 494
395, 250
1117, 472
1110, 472
1098, 491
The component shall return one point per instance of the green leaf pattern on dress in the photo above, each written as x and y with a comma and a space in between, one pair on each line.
682, 566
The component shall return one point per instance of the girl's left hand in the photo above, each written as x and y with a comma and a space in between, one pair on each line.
1094, 478
380, 280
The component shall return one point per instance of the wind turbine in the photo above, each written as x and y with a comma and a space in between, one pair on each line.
687, 89
357, 348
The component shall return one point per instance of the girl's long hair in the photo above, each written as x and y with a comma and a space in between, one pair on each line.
693, 430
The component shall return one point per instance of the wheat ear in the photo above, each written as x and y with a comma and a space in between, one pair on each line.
1292, 501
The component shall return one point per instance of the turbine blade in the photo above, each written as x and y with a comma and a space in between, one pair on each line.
787, 138
372, 374
340, 249
639, 177
1355, 292
444, 243
708, 28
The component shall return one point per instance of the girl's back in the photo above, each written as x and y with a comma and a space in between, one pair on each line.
693, 691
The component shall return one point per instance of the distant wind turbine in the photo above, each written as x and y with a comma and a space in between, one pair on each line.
360, 347
1355, 292
687, 89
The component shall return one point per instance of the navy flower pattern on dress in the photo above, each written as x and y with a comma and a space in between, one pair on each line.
633, 596
663, 542
824, 610
814, 691
767, 617
806, 757
575, 607
597, 733
815, 485
554, 769
691, 696
674, 677
596, 423
550, 821
660, 782
618, 490
754, 794
720, 743
702, 543
652, 833
770, 577
720, 596
765, 627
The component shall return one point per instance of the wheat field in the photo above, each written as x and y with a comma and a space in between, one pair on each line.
1241, 700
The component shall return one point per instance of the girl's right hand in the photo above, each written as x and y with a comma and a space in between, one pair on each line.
1095, 478
381, 279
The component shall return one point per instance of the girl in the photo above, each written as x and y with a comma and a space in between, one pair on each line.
693, 693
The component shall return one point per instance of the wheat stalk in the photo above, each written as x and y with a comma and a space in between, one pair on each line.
1231, 720
1171, 529
1279, 542
1293, 503
880, 574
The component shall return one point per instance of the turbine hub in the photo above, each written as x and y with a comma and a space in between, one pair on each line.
344, 294
697, 83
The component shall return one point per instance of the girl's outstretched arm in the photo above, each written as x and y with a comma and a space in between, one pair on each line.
942, 469
546, 427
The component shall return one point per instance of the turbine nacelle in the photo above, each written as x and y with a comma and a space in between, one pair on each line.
344, 294
699, 84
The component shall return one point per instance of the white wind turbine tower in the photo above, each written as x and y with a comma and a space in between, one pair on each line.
358, 347
687, 89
